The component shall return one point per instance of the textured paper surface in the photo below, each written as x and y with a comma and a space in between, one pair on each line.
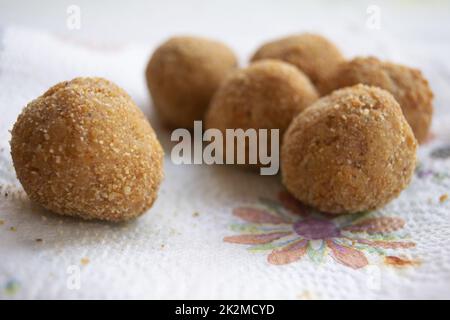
190, 244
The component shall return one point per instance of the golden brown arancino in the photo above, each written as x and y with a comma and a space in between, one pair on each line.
85, 149
313, 54
349, 152
407, 85
265, 95
182, 76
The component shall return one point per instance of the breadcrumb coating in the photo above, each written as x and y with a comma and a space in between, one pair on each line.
85, 149
266, 95
407, 85
313, 54
182, 76
349, 152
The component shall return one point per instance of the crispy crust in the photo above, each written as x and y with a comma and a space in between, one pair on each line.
316, 56
349, 152
182, 76
85, 149
266, 95
407, 85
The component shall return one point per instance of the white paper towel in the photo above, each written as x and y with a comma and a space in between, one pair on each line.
206, 236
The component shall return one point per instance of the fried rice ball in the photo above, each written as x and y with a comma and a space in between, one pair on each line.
349, 152
182, 76
266, 95
407, 85
85, 149
316, 56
